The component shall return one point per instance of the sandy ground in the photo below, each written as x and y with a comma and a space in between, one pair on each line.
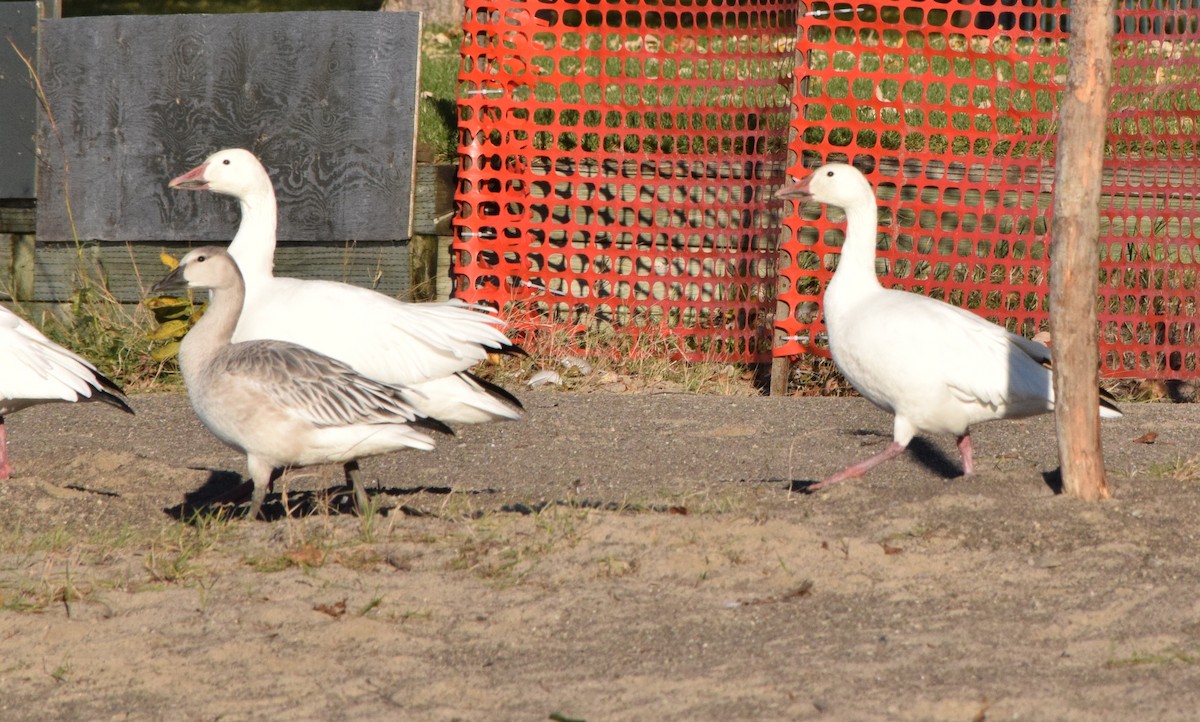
613, 557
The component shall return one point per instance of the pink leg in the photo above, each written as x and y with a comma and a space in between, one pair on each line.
6, 469
968, 454
850, 472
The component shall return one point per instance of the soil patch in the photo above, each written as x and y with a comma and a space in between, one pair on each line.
612, 557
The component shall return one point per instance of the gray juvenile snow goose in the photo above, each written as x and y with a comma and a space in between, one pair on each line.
936, 367
281, 404
35, 370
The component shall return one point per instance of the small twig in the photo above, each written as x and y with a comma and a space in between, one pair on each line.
803, 590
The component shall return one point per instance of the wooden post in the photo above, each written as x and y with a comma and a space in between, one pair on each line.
24, 265
422, 284
1074, 261
18, 222
781, 368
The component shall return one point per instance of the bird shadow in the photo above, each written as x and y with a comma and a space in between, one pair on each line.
925, 453
224, 491
933, 459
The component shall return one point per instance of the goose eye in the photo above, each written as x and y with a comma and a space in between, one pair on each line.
201, 259
829, 174
225, 162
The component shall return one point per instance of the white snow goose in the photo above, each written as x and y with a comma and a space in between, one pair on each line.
426, 347
35, 370
936, 367
281, 404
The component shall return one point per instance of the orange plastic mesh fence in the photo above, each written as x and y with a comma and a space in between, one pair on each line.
616, 162
951, 107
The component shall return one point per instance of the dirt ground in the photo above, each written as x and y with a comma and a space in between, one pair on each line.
612, 557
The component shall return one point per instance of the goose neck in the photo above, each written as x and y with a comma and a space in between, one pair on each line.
254, 245
213, 332
858, 250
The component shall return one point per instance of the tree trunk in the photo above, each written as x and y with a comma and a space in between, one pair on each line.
1074, 261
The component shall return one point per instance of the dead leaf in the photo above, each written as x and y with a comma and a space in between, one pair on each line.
1146, 438
891, 550
544, 377
334, 610
680, 510
169, 330
162, 353
803, 590
1153, 389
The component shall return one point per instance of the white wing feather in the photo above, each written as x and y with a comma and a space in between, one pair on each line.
924, 349
34, 368
380, 337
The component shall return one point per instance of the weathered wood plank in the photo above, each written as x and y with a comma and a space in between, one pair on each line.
434, 185
18, 219
128, 270
18, 102
327, 99
433, 206
444, 281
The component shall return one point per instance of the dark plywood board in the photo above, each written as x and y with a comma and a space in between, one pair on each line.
326, 99
127, 270
18, 101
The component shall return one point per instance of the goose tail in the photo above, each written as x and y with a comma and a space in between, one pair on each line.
1108, 406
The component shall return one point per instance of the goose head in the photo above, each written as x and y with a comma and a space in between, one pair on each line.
207, 267
233, 171
835, 184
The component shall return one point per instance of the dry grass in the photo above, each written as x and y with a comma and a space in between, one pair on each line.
1185, 469
585, 358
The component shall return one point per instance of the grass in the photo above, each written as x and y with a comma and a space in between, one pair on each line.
607, 358
59, 570
1184, 469
437, 113
176, 556
958, 104
505, 549
1144, 659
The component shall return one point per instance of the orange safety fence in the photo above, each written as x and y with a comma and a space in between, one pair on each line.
951, 106
617, 159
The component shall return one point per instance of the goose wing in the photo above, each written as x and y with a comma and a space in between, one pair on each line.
380, 337
314, 387
978, 361
34, 368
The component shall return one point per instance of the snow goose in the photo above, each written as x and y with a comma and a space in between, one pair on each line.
35, 370
279, 403
936, 367
426, 347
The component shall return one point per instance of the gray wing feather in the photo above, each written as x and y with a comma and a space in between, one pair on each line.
315, 387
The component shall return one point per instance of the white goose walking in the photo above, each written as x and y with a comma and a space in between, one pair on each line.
426, 347
936, 367
279, 403
35, 370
